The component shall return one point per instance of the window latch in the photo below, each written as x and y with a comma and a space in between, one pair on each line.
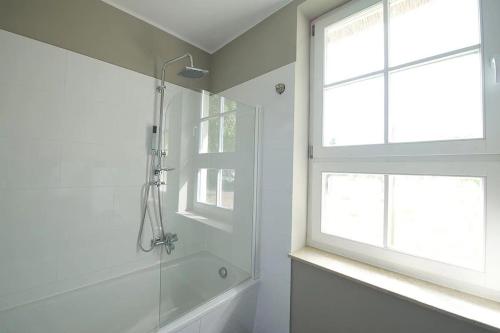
310, 152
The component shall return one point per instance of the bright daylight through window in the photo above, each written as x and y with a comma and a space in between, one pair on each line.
398, 125
217, 133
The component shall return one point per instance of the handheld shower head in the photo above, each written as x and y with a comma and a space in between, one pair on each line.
192, 72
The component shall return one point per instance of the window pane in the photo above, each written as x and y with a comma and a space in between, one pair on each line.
229, 136
355, 46
229, 105
227, 189
209, 135
423, 28
211, 105
352, 207
354, 113
437, 101
440, 218
207, 186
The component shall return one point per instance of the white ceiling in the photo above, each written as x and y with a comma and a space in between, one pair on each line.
207, 24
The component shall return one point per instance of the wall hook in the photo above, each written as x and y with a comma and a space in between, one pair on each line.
280, 88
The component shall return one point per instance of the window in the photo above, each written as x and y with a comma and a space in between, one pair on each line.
217, 146
431, 73
207, 186
218, 125
417, 220
405, 142
216, 187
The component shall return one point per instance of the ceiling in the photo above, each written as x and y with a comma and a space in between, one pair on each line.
207, 24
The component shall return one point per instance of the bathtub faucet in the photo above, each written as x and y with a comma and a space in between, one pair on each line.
168, 241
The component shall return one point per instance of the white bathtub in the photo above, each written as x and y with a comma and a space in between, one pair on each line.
191, 291
192, 281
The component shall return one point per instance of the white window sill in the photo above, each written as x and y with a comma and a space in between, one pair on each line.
207, 221
481, 311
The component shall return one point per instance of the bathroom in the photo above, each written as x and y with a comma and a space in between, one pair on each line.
235, 166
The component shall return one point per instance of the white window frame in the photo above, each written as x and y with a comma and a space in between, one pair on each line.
469, 157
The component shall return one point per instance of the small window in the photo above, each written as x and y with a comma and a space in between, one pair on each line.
207, 186
227, 188
209, 135
216, 187
449, 25
229, 132
440, 218
217, 125
344, 109
363, 33
436, 101
352, 207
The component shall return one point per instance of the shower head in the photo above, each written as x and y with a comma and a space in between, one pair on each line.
189, 72
192, 72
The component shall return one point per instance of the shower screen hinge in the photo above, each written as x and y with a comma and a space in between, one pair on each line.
313, 30
310, 152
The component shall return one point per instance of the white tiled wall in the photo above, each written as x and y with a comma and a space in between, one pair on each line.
273, 305
73, 151
74, 138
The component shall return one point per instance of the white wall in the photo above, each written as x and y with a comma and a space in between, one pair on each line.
273, 304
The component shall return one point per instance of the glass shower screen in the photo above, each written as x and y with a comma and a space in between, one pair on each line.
209, 200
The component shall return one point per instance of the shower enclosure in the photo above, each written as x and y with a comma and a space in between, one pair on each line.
209, 199
81, 141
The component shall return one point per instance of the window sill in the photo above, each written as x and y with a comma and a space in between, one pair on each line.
207, 221
481, 311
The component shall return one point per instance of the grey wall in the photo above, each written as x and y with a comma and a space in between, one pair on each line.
267, 46
323, 302
98, 30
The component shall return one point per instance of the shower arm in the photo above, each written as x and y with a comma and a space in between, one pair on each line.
171, 61
161, 89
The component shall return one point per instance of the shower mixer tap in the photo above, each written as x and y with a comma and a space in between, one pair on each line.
160, 170
168, 241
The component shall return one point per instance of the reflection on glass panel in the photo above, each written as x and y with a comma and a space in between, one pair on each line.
437, 101
352, 207
226, 199
423, 28
355, 46
230, 105
440, 218
207, 186
211, 105
354, 113
209, 135
229, 132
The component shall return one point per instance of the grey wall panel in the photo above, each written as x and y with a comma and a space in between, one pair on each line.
98, 30
323, 302
267, 46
